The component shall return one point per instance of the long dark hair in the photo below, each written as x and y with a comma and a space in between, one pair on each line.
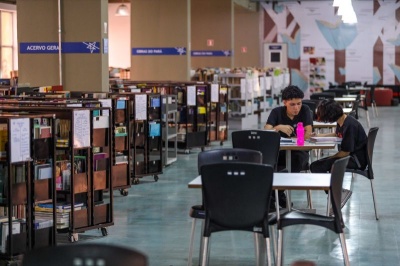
329, 111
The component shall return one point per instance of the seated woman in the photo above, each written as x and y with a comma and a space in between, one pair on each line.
354, 140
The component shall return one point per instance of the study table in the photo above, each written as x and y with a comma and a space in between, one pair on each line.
289, 147
289, 181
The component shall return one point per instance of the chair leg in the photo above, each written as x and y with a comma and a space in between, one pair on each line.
280, 245
367, 116
259, 249
374, 199
268, 251
344, 249
204, 255
309, 199
328, 204
191, 242
201, 242
273, 238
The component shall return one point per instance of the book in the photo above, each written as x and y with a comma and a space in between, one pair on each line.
286, 140
16, 229
325, 139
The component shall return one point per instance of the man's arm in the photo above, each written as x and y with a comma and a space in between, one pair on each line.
307, 132
288, 130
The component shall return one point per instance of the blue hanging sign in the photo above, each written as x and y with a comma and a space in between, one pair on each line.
211, 53
159, 51
66, 47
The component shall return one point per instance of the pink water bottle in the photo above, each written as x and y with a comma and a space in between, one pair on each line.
300, 134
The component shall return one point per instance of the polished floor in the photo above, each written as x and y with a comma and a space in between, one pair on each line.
154, 218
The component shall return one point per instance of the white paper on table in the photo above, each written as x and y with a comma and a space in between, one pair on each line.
214, 93
191, 96
20, 140
141, 107
81, 127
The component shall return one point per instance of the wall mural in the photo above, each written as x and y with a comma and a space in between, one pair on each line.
368, 51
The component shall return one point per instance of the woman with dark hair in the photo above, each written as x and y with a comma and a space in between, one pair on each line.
354, 138
354, 141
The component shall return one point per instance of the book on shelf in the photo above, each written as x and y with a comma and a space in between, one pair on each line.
100, 161
42, 223
43, 171
15, 229
120, 131
325, 139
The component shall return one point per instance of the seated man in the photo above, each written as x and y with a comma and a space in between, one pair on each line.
284, 119
354, 140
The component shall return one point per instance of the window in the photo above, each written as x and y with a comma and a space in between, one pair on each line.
6, 43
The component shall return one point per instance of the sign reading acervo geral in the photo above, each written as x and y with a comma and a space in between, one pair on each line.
66, 47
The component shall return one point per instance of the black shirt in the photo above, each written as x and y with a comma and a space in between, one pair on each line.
279, 116
354, 139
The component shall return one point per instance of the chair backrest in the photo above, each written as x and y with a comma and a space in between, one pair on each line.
312, 104
228, 155
337, 174
370, 150
267, 142
236, 196
84, 254
338, 91
322, 95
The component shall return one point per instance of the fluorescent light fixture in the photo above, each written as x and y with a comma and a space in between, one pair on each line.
122, 11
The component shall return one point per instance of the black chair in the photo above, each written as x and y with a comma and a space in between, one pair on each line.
312, 104
339, 91
369, 172
218, 156
322, 95
267, 142
85, 255
334, 223
236, 197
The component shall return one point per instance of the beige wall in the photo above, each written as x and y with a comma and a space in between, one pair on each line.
211, 20
158, 23
81, 21
246, 34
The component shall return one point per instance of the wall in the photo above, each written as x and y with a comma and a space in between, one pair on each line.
211, 20
246, 36
83, 24
160, 24
367, 51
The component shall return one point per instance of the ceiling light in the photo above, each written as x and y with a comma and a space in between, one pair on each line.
122, 11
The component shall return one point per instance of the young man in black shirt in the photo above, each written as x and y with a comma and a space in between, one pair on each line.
284, 119
354, 141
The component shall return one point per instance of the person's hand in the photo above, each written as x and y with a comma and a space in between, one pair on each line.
313, 134
288, 130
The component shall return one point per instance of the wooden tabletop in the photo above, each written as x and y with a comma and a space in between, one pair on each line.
291, 181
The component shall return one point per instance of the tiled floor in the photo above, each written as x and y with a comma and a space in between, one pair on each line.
154, 218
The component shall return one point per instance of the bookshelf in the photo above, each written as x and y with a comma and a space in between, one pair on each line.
26, 180
82, 172
170, 128
192, 115
217, 106
146, 138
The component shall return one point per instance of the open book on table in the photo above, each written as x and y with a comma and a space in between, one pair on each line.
325, 139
